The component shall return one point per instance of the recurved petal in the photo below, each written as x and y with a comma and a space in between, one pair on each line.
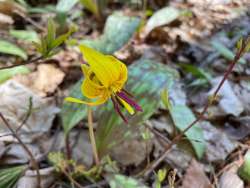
106, 69
99, 101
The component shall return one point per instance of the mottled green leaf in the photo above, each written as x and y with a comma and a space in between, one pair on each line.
121, 181
196, 71
244, 170
118, 30
146, 81
26, 35
183, 117
9, 48
225, 52
162, 17
8, 73
9, 176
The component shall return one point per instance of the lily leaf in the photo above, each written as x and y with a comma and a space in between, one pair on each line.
26, 35
9, 48
225, 52
8, 73
244, 170
118, 181
9, 176
162, 17
117, 32
183, 117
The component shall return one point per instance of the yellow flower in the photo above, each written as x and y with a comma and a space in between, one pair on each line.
104, 78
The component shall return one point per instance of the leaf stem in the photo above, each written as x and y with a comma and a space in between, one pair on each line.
23, 63
92, 135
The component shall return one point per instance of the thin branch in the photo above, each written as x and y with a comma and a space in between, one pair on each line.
67, 146
24, 120
26, 116
178, 137
72, 179
32, 158
23, 63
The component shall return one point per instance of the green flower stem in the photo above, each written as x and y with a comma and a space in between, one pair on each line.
92, 136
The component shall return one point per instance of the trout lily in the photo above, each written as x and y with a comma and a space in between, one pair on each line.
104, 78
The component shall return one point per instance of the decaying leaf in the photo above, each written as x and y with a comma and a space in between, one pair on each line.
218, 145
45, 80
5, 19
29, 180
177, 158
229, 103
131, 151
17, 155
10, 7
230, 179
15, 104
195, 177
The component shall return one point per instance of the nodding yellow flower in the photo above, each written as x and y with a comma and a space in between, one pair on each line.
104, 78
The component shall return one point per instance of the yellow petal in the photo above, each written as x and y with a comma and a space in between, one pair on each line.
123, 73
85, 69
127, 106
95, 103
91, 89
107, 70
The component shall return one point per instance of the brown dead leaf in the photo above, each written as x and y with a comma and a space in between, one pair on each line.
218, 145
17, 155
45, 80
230, 179
227, 98
131, 152
15, 103
10, 8
195, 177
5, 19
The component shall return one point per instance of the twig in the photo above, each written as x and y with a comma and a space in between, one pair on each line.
23, 122
23, 63
92, 136
67, 147
26, 18
200, 117
72, 179
26, 116
34, 163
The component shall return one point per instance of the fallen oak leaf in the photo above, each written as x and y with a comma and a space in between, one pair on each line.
195, 177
